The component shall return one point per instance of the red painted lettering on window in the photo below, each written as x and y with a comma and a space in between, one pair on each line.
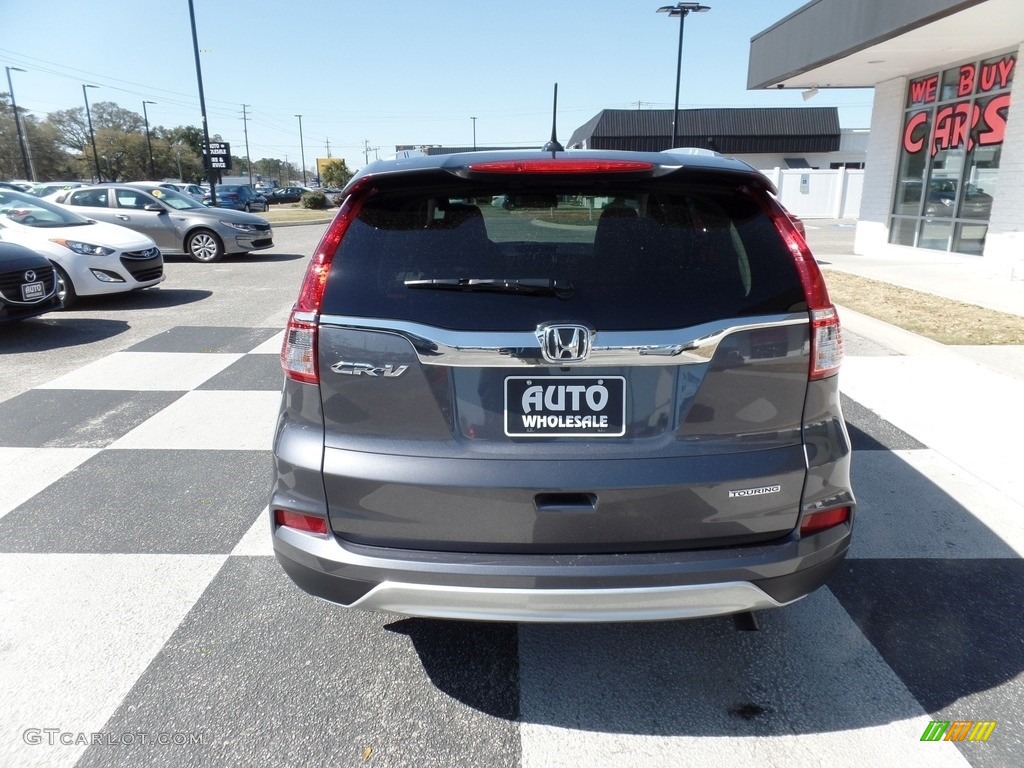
966, 80
923, 91
997, 74
995, 120
952, 126
915, 143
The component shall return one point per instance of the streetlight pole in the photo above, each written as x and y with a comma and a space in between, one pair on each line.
302, 149
682, 10
149, 145
474, 131
92, 135
17, 123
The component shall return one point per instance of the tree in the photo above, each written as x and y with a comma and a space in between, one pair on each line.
123, 154
45, 151
335, 173
49, 159
186, 135
71, 127
10, 152
107, 114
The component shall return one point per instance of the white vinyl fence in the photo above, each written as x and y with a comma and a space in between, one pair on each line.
819, 194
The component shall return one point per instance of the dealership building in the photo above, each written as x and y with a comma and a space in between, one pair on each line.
945, 156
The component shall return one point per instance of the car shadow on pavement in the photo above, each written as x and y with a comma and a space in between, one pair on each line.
54, 332
152, 298
475, 663
262, 256
923, 617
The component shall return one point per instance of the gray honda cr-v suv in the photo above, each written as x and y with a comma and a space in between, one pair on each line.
561, 386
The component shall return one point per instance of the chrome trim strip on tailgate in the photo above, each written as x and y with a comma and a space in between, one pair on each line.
505, 349
578, 605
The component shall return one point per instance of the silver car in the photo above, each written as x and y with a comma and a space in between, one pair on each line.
192, 190
176, 222
613, 398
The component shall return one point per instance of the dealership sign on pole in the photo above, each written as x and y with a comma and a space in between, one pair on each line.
219, 156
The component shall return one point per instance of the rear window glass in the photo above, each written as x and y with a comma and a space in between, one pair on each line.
651, 256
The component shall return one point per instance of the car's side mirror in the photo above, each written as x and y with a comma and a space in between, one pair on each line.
155, 207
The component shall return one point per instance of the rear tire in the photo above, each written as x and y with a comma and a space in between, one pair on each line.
65, 288
204, 246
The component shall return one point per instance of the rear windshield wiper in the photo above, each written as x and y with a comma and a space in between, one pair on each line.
563, 289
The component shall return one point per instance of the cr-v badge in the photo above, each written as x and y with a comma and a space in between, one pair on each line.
366, 369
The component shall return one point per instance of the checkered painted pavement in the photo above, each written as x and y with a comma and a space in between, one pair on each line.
141, 604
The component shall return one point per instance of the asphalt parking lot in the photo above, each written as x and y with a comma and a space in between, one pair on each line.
147, 623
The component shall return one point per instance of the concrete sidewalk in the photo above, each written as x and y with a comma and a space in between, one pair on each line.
963, 402
988, 283
970, 279
953, 276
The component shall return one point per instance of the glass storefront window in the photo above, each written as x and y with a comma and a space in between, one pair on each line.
913, 165
953, 128
970, 238
903, 231
935, 234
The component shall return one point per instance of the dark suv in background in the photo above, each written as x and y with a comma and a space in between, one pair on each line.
612, 397
240, 197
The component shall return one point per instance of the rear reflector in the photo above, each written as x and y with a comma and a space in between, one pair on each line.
815, 522
561, 166
300, 522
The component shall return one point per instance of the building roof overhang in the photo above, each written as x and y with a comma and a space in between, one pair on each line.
843, 44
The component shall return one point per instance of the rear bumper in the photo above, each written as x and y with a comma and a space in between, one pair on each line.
561, 588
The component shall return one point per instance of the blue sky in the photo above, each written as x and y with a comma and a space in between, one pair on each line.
387, 73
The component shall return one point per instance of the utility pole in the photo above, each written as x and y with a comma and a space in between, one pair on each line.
328, 140
92, 134
302, 148
211, 176
245, 128
29, 172
149, 144
366, 151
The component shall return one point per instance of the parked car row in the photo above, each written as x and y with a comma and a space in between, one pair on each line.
240, 197
107, 238
90, 257
177, 223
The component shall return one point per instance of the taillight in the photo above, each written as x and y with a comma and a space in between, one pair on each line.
826, 333
815, 522
301, 522
561, 166
299, 350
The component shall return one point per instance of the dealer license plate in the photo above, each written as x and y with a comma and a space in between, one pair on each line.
565, 406
32, 291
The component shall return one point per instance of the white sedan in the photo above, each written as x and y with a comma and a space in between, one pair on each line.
91, 258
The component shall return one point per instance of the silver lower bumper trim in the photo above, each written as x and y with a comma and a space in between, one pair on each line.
567, 605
